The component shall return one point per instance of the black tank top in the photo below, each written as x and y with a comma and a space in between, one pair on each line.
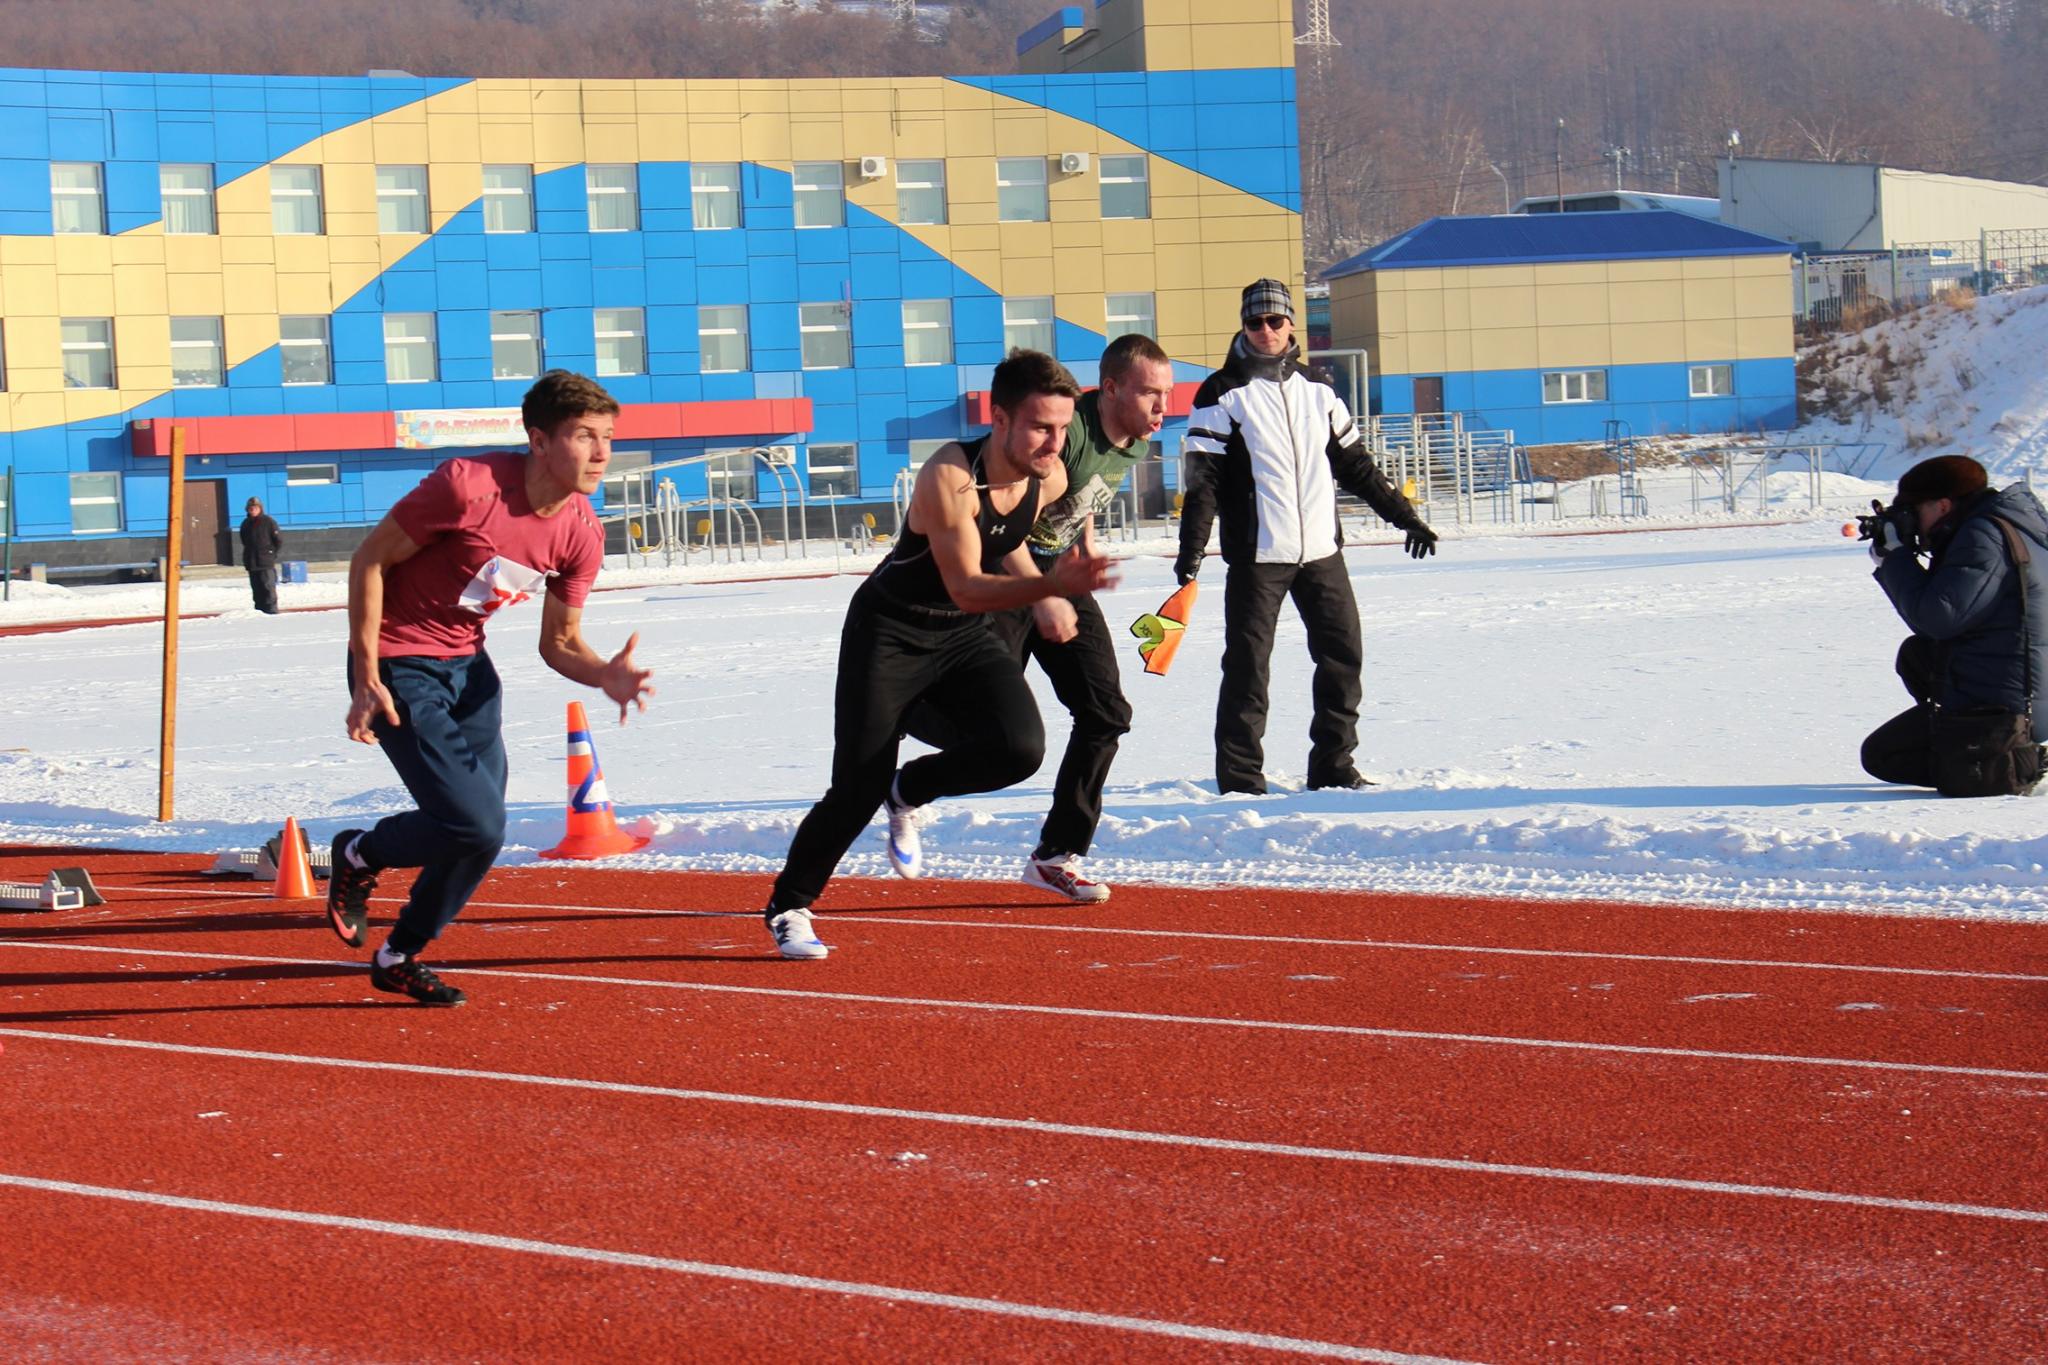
909, 577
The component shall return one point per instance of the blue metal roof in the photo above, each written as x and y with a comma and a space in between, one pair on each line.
1527, 239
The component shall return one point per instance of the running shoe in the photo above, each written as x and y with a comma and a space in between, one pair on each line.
794, 936
1063, 877
348, 891
409, 977
906, 851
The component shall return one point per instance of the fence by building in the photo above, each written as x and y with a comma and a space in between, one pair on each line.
1848, 290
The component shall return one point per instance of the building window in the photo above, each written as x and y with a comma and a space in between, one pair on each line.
95, 502
827, 336
927, 331
1575, 386
304, 350
1020, 190
402, 200
835, 473
78, 200
1126, 187
614, 195
819, 188
188, 199
515, 345
196, 355
508, 199
621, 341
1123, 314
1713, 381
715, 194
1027, 325
920, 451
88, 345
730, 474
409, 356
722, 339
295, 201
628, 483
921, 192
311, 475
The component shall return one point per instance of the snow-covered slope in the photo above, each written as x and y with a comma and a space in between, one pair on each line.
1968, 377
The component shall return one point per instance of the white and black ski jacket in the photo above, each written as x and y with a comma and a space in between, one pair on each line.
1267, 447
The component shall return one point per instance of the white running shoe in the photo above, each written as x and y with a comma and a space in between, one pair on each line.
1063, 876
794, 936
906, 851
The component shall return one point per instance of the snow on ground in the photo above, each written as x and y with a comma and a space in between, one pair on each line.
1945, 379
1667, 715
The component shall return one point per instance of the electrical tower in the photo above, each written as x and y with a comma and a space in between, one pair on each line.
1318, 40
903, 11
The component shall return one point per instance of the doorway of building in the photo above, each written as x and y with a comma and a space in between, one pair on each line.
1429, 396
206, 539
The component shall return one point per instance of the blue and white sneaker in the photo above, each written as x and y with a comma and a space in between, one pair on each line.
906, 850
794, 936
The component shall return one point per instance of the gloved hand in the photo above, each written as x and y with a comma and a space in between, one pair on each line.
1892, 533
1186, 565
1421, 541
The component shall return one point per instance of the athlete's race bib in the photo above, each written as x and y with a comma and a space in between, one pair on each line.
501, 583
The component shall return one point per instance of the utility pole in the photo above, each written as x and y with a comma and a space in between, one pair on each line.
1560, 165
1318, 40
1617, 155
1506, 206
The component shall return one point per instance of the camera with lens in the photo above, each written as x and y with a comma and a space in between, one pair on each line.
1899, 517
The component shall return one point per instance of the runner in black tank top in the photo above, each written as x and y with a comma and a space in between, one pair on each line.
916, 633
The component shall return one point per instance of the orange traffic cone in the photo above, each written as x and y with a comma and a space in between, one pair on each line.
294, 868
593, 833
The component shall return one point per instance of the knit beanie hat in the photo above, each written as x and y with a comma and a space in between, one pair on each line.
1265, 296
1954, 477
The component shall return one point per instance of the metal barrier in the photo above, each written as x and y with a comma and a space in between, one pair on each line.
649, 510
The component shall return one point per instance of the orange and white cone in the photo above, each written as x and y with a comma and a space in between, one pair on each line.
593, 832
294, 868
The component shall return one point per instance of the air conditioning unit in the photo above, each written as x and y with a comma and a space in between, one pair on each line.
779, 455
874, 167
1073, 163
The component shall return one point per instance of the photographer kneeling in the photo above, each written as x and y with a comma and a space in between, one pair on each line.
1978, 611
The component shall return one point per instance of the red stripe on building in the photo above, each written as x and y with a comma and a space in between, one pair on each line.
326, 431
975, 406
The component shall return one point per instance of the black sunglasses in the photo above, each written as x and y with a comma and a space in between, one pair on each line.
1271, 322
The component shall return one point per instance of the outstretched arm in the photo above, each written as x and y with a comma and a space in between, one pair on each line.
564, 649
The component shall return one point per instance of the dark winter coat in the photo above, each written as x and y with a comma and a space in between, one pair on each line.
261, 542
1267, 447
1967, 600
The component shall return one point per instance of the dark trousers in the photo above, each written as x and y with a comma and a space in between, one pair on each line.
449, 750
887, 665
1251, 608
1902, 749
1084, 676
263, 587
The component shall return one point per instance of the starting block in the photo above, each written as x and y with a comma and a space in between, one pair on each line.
51, 895
261, 863
79, 880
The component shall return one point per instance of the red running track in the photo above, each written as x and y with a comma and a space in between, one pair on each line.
991, 1126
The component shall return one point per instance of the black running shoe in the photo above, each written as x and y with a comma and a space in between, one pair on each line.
410, 978
348, 892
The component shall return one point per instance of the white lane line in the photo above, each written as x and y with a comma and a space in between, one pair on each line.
1077, 1012
1238, 1146
1185, 1331
1285, 940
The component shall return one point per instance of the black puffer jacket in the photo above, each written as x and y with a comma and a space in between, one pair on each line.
1967, 600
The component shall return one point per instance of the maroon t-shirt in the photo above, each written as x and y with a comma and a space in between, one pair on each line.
482, 547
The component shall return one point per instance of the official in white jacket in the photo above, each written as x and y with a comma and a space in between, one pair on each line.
1266, 450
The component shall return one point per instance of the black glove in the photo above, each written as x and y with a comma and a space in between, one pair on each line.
1888, 529
1186, 565
1421, 541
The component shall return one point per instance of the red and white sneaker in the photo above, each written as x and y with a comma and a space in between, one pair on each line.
1063, 877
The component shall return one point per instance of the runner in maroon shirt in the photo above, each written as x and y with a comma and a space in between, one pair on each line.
477, 535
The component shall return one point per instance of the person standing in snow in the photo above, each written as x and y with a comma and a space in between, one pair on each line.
1267, 447
478, 534
1978, 610
261, 543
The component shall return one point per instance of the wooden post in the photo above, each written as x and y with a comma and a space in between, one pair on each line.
173, 553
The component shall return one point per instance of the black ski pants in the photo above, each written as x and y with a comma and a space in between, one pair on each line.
1902, 749
1084, 676
891, 660
1252, 595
